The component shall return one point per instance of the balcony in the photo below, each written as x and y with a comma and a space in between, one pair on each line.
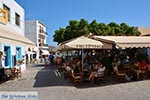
41, 45
43, 32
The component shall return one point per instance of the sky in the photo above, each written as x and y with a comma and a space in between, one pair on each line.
57, 13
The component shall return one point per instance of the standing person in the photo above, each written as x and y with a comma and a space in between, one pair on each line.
52, 59
107, 62
0, 59
49, 58
46, 61
59, 61
26, 58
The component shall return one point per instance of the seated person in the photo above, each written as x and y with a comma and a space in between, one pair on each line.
59, 62
99, 72
133, 70
136, 64
76, 72
126, 60
67, 68
86, 65
76, 68
141, 68
79, 64
143, 65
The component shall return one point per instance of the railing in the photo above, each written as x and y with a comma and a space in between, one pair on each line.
41, 31
43, 45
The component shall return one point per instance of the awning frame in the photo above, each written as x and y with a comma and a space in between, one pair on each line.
126, 41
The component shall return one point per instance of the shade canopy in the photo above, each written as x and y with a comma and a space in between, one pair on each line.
14, 38
81, 42
127, 41
44, 52
30, 52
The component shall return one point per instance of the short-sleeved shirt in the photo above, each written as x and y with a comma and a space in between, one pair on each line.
100, 71
143, 65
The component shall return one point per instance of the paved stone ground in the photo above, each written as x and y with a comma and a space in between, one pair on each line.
51, 85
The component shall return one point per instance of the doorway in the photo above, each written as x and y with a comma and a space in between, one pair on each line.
7, 56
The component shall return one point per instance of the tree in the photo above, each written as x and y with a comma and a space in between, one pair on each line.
115, 28
133, 31
59, 35
82, 27
124, 27
93, 27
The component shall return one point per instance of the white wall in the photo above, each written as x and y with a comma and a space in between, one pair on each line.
44, 28
11, 27
14, 8
30, 30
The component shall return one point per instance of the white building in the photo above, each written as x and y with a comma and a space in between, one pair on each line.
13, 43
36, 32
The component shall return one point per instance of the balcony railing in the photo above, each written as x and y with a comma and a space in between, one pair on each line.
41, 31
43, 44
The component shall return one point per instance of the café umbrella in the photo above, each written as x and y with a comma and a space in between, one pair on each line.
82, 43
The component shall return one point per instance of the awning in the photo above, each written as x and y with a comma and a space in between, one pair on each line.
30, 52
44, 52
127, 41
14, 38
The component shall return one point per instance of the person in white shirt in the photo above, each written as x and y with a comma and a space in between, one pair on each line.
99, 72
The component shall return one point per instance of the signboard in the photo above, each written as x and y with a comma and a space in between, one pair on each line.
3, 16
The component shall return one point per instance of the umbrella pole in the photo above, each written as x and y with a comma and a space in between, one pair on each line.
82, 59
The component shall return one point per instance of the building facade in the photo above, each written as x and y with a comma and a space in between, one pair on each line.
13, 43
145, 31
36, 32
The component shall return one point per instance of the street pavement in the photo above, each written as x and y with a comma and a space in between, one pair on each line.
51, 85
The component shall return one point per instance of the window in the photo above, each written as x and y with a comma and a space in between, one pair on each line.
41, 29
17, 19
8, 11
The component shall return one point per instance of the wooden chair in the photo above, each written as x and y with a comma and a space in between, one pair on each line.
101, 78
67, 74
143, 74
9, 73
3, 76
13, 73
119, 75
18, 73
97, 79
76, 78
